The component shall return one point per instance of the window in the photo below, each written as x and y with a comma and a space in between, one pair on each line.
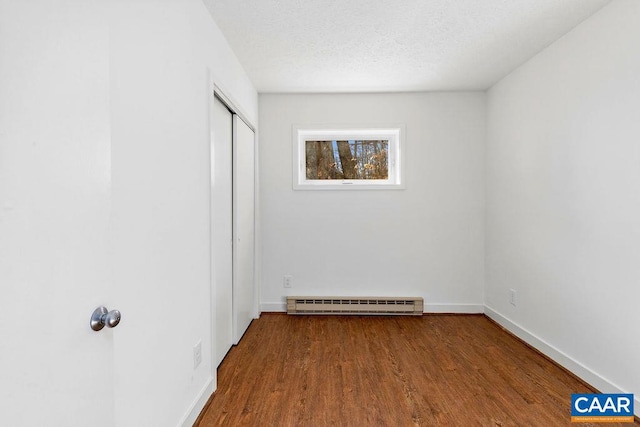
340, 159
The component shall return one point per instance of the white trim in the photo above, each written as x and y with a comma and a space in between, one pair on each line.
454, 308
211, 98
232, 106
581, 371
394, 134
257, 229
273, 307
198, 405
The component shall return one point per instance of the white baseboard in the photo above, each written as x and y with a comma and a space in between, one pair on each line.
454, 308
558, 356
281, 307
196, 407
270, 307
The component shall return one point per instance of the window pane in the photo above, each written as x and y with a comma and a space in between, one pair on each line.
353, 159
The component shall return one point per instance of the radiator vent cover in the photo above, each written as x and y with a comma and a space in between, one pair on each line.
356, 305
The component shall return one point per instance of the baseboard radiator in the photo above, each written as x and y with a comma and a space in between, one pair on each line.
356, 305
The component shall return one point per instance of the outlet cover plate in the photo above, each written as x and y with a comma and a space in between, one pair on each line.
197, 354
287, 281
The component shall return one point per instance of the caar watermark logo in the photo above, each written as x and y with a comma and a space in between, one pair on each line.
602, 408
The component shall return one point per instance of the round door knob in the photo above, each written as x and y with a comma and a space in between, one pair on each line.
101, 317
112, 318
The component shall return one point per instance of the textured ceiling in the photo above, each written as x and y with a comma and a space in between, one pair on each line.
390, 45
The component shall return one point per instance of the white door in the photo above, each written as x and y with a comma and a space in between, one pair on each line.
54, 215
221, 224
243, 227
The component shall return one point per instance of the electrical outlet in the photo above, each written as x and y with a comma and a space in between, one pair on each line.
197, 354
512, 297
288, 281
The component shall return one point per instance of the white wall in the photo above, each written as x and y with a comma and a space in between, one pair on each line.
426, 240
105, 107
160, 99
563, 206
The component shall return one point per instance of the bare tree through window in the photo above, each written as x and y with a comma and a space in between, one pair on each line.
345, 160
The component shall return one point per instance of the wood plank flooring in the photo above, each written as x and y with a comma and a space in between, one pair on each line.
387, 371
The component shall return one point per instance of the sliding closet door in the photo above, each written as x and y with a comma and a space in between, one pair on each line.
243, 226
221, 227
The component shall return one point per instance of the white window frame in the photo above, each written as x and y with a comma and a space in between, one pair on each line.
394, 134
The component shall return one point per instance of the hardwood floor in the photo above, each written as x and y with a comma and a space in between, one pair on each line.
387, 371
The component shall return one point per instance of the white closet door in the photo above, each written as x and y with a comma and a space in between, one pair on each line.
243, 227
221, 227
